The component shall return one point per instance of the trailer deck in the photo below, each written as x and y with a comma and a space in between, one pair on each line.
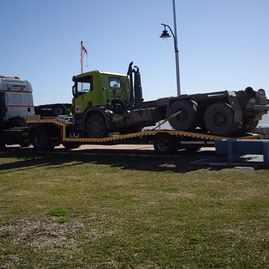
165, 141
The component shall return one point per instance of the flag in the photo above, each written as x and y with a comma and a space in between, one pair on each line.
83, 51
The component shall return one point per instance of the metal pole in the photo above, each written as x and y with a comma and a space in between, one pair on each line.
176, 50
81, 57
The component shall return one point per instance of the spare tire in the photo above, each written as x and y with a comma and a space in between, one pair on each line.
186, 120
219, 119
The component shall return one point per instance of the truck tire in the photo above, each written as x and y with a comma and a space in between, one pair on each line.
186, 120
58, 109
219, 119
165, 144
40, 139
96, 126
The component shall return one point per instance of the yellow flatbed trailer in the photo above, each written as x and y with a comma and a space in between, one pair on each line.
50, 132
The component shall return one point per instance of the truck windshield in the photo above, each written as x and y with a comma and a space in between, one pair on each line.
84, 85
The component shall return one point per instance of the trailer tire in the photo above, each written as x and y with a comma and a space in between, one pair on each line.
165, 144
219, 119
187, 119
40, 139
96, 126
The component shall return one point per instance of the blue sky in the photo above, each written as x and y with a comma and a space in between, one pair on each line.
224, 44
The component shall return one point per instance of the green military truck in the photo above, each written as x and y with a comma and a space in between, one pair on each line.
108, 102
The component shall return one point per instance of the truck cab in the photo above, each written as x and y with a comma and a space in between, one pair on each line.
97, 88
16, 100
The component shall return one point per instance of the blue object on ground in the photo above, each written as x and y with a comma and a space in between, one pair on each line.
236, 148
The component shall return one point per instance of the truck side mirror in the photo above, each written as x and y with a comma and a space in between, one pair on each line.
75, 90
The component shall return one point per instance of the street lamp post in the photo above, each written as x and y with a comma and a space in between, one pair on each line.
165, 34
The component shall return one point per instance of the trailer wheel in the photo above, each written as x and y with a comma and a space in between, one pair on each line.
187, 118
96, 126
165, 144
219, 119
70, 145
41, 140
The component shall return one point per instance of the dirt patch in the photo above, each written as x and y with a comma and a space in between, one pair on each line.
42, 233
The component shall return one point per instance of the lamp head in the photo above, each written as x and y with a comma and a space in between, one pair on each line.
165, 34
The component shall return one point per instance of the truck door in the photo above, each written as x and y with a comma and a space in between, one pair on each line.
82, 92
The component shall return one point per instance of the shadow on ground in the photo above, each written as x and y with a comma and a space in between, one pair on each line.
146, 160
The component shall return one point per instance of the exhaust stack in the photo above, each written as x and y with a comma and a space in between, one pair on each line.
137, 87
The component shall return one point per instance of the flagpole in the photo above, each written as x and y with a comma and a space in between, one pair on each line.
81, 57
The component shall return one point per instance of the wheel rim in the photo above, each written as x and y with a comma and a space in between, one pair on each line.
163, 145
183, 115
219, 119
95, 127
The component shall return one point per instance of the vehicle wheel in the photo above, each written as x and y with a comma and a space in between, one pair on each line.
96, 126
41, 140
58, 110
219, 119
70, 145
186, 120
165, 144
250, 126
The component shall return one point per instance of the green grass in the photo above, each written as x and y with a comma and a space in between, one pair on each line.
73, 211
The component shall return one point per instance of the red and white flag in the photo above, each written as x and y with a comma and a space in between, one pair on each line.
83, 51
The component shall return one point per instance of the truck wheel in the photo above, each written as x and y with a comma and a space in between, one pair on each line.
96, 126
58, 109
219, 119
165, 144
187, 118
41, 140
70, 145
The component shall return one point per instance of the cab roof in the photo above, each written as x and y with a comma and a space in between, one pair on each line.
99, 72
